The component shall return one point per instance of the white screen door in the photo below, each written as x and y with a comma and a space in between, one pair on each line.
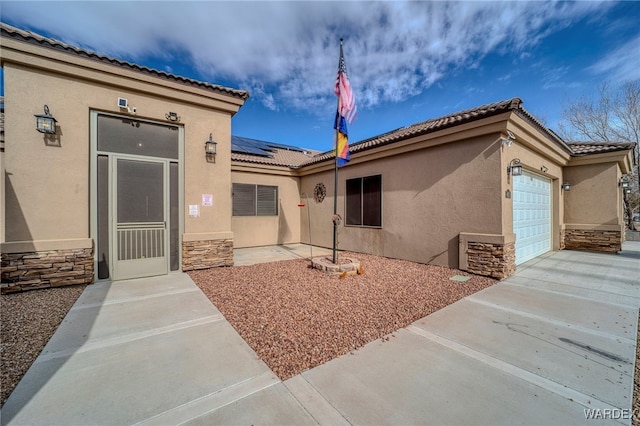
139, 209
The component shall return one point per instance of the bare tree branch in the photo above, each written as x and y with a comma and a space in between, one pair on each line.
611, 115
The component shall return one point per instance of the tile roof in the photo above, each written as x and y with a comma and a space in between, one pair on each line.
281, 158
432, 125
586, 148
33, 38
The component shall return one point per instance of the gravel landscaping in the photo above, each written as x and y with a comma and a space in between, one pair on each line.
27, 322
296, 318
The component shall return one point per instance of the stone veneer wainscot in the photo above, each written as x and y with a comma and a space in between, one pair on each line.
493, 260
593, 240
206, 254
44, 269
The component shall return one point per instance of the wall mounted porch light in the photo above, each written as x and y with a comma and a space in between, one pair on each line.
514, 168
566, 186
45, 123
210, 148
509, 139
624, 182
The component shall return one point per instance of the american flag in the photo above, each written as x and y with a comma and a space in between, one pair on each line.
346, 101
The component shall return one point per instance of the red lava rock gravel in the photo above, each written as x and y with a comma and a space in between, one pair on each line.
296, 318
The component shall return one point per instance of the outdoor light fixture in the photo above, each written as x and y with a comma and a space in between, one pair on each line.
624, 182
45, 123
566, 186
210, 148
172, 116
514, 168
509, 139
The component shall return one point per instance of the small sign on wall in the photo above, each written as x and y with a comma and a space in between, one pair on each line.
194, 210
207, 200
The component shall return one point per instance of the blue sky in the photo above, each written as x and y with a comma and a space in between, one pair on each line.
407, 61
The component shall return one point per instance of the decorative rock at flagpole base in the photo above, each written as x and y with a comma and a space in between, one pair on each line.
344, 265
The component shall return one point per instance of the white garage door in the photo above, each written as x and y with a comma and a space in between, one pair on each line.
531, 216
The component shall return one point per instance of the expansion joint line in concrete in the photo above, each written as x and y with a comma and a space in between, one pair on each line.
573, 295
548, 320
313, 402
132, 299
549, 385
214, 401
591, 299
103, 343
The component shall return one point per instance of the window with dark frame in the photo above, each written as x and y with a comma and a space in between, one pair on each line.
254, 200
364, 201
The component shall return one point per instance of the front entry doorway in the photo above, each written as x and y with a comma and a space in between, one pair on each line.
137, 207
139, 210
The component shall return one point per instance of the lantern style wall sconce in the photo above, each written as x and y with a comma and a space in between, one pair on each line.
624, 182
514, 168
210, 148
45, 123
566, 186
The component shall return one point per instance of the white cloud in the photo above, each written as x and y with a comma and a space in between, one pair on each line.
394, 50
622, 63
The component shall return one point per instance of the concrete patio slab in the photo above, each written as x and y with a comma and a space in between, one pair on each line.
595, 364
271, 406
266, 254
413, 380
145, 354
603, 318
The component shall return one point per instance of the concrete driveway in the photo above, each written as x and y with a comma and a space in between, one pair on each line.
554, 344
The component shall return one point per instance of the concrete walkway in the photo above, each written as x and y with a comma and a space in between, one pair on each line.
541, 347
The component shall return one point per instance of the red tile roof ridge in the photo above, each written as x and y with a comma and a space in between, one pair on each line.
34, 38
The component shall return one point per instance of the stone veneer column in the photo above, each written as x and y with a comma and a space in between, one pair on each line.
488, 254
206, 254
593, 240
44, 269
493, 260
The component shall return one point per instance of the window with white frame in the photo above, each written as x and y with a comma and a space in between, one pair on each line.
364, 201
254, 200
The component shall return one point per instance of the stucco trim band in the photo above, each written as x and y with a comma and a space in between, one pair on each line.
45, 245
208, 236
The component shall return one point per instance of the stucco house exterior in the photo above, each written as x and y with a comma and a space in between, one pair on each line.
124, 188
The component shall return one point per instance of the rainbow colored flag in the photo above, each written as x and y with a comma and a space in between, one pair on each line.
342, 143
347, 111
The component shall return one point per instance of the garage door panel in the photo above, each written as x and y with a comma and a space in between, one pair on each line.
531, 216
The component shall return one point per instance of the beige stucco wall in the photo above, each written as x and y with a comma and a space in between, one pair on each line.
595, 197
48, 180
250, 231
429, 197
534, 158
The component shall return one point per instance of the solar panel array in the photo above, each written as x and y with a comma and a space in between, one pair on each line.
256, 147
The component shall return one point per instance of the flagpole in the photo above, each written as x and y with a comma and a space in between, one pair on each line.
335, 183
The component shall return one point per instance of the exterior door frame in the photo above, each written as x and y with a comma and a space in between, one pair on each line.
139, 267
93, 177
